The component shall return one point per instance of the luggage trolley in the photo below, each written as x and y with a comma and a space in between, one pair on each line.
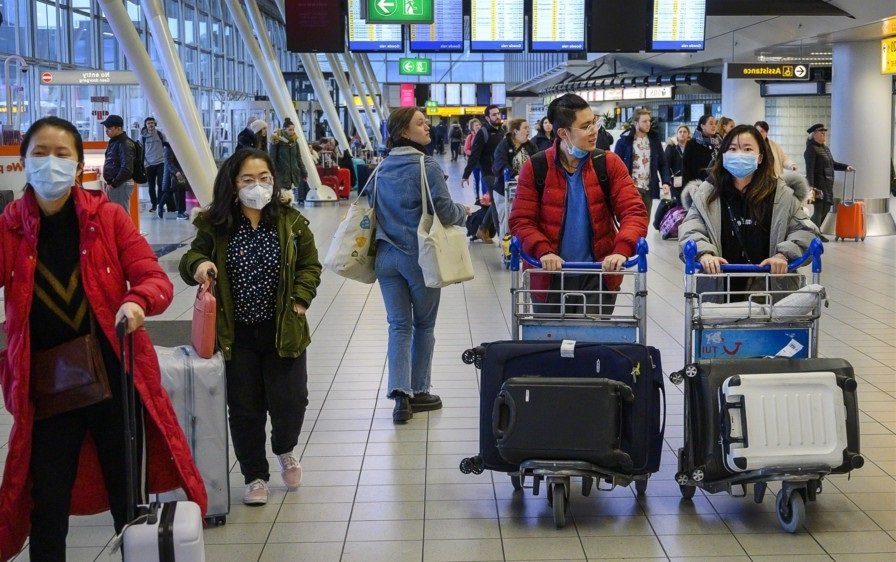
569, 320
510, 195
764, 324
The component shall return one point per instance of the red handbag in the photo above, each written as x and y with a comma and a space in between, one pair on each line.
205, 314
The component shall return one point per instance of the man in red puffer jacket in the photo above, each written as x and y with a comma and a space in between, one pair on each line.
570, 215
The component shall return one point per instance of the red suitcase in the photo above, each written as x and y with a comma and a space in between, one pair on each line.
345, 183
321, 171
850, 213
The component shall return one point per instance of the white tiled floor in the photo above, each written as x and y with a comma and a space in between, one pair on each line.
373, 491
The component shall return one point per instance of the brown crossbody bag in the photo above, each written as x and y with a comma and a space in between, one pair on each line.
69, 376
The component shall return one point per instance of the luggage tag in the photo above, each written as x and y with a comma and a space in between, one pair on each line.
791, 349
568, 349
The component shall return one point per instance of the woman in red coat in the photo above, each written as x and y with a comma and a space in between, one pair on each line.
72, 264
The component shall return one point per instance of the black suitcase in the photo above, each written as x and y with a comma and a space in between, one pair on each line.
562, 419
638, 366
703, 452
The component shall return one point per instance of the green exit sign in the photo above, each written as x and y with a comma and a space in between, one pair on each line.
432, 103
414, 67
399, 11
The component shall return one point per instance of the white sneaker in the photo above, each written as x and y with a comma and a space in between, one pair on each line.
290, 470
256, 493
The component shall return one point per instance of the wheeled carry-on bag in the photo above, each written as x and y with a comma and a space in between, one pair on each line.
850, 213
585, 420
159, 531
198, 390
637, 366
786, 409
784, 420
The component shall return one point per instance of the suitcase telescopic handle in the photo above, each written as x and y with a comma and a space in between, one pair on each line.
503, 416
128, 401
726, 421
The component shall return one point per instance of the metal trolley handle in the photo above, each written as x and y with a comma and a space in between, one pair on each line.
517, 254
692, 266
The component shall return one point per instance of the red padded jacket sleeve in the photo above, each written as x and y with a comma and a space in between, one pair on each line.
627, 205
525, 216
149, 285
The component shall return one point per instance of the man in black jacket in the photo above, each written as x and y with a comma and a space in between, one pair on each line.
482, 154
118, 169
642, 151
820, 166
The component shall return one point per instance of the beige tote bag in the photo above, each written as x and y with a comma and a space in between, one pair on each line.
352, 252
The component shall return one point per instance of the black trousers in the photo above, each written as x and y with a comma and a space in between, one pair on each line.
821, 209
455, 150
55, 449
260, 382
154, 175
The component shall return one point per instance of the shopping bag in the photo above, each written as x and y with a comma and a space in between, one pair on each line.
352, 252
205, 314
444, 251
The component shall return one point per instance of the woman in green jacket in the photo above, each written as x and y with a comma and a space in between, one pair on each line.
289, 170
265, 261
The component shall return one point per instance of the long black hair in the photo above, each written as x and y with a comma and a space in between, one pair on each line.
540, 128
225, 209
760, 194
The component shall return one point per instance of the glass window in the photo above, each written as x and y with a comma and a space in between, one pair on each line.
189, 25
217, 38
205, 68
205, 41
82, 38
15, 14
46, 31
228, 40
219, 73
135, 13
172, 11
109, 54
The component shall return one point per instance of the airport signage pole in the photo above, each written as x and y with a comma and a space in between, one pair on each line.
272, 78
195, 157
346, 89
312, 69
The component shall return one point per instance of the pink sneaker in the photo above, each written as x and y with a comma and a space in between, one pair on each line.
290, 470
256, 493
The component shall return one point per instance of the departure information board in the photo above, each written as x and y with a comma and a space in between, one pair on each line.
678, 25
366, 38
445, 34
497, 25
558, 25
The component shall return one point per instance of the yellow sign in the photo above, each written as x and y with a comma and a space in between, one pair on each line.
451, 111
888, 55
359, 103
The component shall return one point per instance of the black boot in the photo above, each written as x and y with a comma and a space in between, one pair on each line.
402, 411
425, 402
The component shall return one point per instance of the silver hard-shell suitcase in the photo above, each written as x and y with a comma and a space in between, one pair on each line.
198, 391
783, 420
159, 531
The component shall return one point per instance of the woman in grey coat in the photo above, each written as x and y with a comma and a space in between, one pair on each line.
744, 214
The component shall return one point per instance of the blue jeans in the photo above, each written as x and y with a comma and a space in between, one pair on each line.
411, 309
477, 182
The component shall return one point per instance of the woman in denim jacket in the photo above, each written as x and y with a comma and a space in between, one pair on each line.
411, 306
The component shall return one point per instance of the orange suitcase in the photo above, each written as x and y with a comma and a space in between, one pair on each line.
850, 213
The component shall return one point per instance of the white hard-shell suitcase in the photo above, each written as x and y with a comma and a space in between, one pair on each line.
163, 532
198, 390
783, 420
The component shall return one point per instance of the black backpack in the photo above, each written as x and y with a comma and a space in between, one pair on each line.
598, 160
139, 174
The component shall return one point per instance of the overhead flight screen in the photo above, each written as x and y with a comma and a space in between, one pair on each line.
558, 25
364, 37
445, 34
678, 25
497, 25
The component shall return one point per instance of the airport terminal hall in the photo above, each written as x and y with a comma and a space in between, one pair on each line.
447, 280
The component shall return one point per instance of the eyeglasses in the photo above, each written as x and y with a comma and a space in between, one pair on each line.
589, 128
246, 181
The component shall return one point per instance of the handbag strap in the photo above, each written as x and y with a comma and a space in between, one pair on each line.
426, 190
374, 177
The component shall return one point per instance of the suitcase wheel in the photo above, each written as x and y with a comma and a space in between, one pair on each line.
676, 377
558, 498
472, 465
791, 511
691, 371
641, 487
697, 475
216, 521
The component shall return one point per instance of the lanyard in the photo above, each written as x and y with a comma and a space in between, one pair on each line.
735, 227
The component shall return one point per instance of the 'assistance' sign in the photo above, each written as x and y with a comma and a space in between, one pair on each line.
888, 55
759, 71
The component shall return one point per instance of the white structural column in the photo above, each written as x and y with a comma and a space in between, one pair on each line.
861, 127
384, 102
741, 100
269, 71
372, 84
359, 86
312, 69
346, 90
195, 157
377, 116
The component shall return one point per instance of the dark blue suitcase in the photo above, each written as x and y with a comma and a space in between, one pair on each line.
638, 366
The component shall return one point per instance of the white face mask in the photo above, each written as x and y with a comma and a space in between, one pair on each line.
257, 196
50, 176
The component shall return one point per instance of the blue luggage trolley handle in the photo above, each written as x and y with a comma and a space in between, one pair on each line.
517, 254
692, 265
